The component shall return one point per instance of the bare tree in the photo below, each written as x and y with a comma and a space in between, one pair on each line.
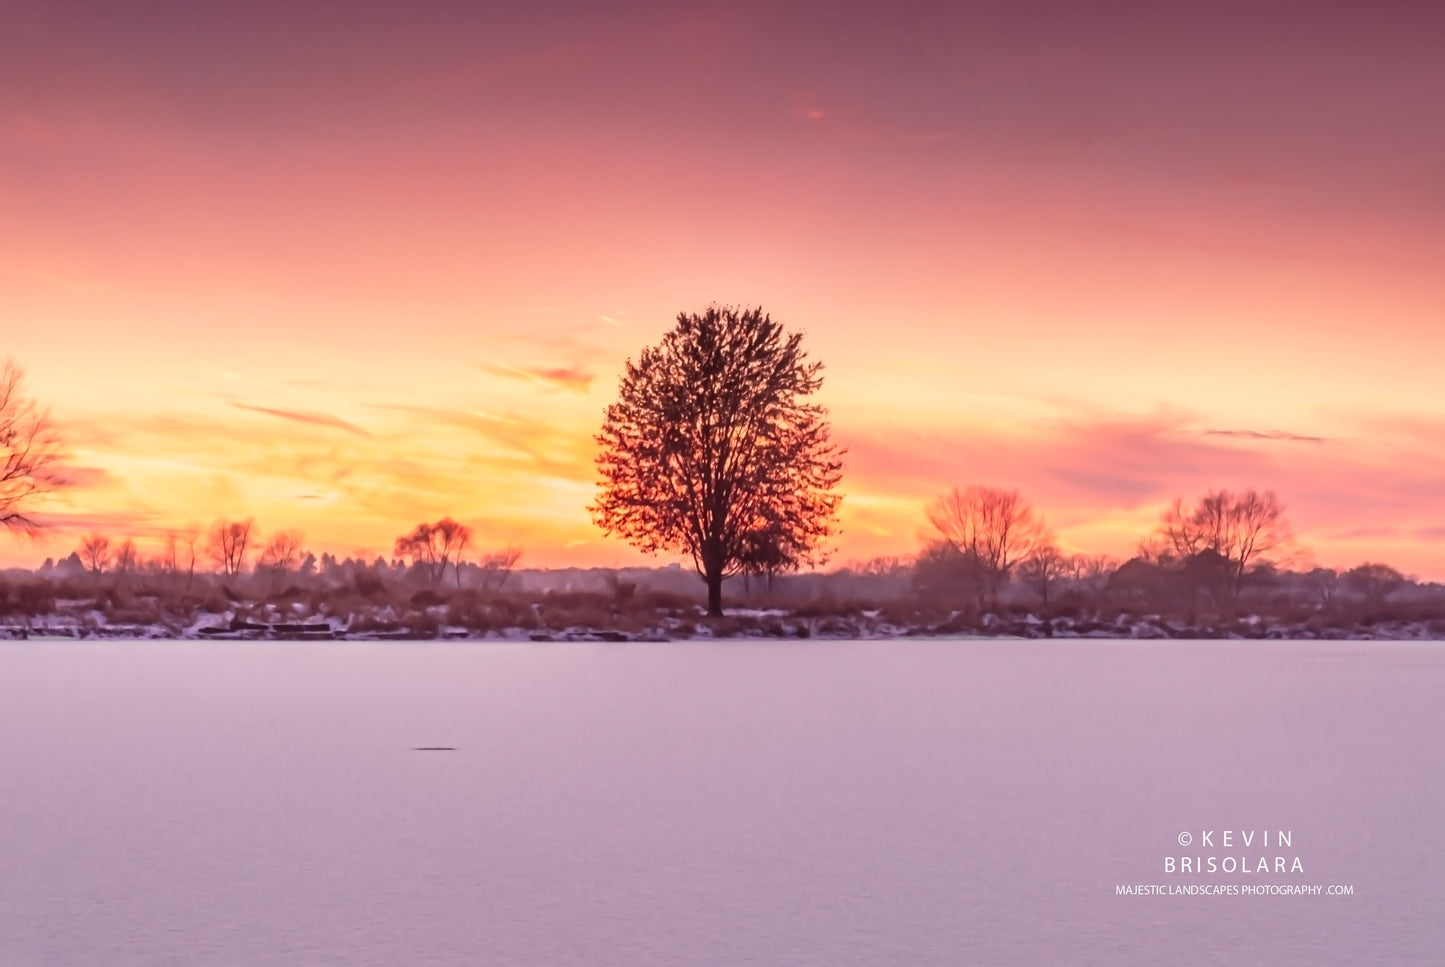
1044, 565
1090, 567
1157, 550
881, 566
943, 574
1090, 571
30, 452
1325, 583
228, 543
431, 547
96, 553
1244, 529
283, 551
453, 539
180, 553
1375, 582
996, 527
127, 559
497, 567
712, 451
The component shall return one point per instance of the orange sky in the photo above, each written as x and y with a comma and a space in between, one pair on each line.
348, 267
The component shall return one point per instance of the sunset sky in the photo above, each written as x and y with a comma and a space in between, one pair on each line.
345, 267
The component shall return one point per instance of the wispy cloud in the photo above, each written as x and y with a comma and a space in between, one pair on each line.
1280, 435
541, 447
862, 127
805, 108
573, 378
65, 524
299, 416
930, 137
1365, 533
1120, 462
85, 478
1413, 429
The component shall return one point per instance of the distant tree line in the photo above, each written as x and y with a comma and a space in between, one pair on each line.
1225, 552
715, 450
233, 549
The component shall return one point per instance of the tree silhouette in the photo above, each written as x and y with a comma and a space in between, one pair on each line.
228, 544
942, 574
496, 567
180, 553
30, 450
1324, 582
994, 527
96, 553
432, 547
127, 557
1375, 582
1244, 529
1044, 566
711, 451
282, 551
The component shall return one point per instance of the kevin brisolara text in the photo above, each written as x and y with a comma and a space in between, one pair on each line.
1230, 889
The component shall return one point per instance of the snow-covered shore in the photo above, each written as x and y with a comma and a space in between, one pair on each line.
736, 624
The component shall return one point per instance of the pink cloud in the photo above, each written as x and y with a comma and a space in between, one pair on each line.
1348, 496
297, 416
573, 378
85, 478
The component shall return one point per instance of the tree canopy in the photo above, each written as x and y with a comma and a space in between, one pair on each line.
711, 450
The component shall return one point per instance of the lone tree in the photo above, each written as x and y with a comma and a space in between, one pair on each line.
30, 451
710, 450
283, 551
229, 542
95, 552
432, 547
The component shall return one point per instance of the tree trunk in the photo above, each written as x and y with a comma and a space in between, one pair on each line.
714, 593
713, 562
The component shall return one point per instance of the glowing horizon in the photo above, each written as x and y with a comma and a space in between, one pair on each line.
347, 275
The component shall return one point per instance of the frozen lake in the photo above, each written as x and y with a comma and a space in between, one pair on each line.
737, 803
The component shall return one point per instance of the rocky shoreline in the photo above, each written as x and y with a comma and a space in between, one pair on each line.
736, 624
